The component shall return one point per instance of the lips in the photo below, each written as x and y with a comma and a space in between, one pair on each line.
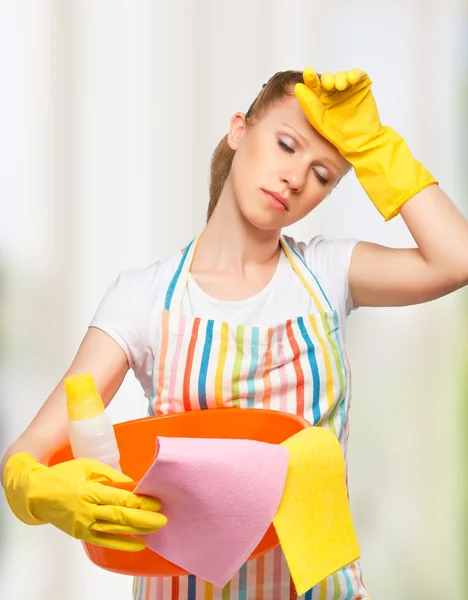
278, 197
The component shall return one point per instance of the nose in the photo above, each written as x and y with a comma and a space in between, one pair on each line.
295, 177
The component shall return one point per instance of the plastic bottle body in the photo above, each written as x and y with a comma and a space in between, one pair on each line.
94, 438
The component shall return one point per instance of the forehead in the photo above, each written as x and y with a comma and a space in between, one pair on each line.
288, 111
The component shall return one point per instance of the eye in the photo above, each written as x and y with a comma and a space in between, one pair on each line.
320, 178
290, 150
285, 147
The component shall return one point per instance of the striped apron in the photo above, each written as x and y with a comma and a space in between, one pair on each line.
299, 367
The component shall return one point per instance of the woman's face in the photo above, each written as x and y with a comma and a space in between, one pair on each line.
281, 153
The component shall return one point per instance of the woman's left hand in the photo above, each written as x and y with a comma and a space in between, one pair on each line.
342, 109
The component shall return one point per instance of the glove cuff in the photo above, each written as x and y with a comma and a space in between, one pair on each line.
389, 173
16, 483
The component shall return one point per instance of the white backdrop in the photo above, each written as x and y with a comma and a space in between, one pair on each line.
109, 113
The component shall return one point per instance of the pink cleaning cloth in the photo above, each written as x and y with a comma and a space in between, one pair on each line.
219, 496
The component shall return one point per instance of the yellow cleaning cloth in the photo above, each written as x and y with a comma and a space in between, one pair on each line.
313, 521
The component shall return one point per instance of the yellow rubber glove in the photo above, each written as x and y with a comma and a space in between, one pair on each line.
70, 496
342, 109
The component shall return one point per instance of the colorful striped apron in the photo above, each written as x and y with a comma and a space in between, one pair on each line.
299, 367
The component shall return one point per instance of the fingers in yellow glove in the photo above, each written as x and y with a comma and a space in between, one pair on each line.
71, 496
310, 103
113, 496
110, 527
117, 542
331, 82
134, 519
327, 81
356, 75
343, 110
342, 80
312, 80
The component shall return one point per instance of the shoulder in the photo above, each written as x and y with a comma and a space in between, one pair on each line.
153, 278
324, 255
160, 271
328, 260
128, 310
137, 292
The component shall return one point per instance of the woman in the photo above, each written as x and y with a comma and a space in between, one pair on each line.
245, 316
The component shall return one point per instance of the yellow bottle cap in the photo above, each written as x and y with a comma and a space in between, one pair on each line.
83, 400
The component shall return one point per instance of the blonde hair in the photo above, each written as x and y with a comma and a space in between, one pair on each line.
278, 87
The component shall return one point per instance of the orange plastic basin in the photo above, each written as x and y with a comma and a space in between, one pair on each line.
137, 443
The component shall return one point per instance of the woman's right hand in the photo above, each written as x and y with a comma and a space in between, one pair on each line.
71, 496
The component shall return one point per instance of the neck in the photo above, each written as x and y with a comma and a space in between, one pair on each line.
231, 243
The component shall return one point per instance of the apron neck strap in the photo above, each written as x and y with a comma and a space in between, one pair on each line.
308, 279
178, 283
176, 288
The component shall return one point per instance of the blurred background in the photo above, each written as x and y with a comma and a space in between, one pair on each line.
109, 113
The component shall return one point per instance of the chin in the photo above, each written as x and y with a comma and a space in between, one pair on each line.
265, 220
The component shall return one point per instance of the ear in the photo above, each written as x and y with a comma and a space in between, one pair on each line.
236, 130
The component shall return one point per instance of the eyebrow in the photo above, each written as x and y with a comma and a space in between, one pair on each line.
304, 139
307, 143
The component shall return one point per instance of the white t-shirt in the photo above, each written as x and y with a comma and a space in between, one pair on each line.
130, 310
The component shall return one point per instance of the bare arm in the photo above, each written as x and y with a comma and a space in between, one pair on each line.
98, 354
381, 276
